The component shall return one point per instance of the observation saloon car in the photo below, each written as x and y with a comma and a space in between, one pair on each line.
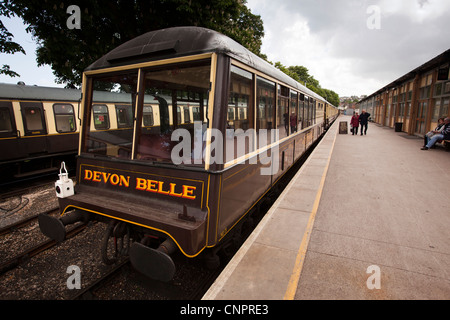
185, 166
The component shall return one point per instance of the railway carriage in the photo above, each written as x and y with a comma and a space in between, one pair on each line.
223, 128
38, 128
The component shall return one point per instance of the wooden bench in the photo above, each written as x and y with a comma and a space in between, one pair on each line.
445, 144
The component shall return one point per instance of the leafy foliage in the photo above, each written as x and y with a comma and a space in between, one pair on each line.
105, 24
301, 74
7, 45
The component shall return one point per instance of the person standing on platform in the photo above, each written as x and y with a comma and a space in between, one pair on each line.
355, 124
364, 121
293, 122
444, 135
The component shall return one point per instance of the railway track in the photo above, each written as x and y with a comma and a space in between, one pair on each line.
121, 282
123, 278
25, 221
35, 250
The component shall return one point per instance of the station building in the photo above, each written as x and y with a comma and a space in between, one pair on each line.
414, 102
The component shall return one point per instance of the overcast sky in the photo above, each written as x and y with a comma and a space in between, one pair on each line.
347, 46
353, 47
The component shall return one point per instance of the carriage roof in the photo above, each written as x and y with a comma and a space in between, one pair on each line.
184, 41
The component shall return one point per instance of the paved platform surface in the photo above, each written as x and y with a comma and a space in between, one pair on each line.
366, 217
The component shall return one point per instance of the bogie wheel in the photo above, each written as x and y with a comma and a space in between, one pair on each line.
112, 251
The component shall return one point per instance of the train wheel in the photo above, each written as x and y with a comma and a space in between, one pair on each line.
112, 251
212, 260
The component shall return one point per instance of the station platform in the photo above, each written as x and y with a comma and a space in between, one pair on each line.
365, 218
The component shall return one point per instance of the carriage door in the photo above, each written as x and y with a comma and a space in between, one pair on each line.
34, 140
8, 132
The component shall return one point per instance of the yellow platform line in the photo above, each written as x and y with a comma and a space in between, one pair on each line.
300, 259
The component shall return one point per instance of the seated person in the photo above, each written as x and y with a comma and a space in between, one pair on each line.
437, 130
444, 135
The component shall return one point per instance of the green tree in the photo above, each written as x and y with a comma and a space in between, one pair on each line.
7, 45
105, 24
301, 74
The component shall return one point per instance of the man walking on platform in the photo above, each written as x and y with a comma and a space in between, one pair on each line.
364, 120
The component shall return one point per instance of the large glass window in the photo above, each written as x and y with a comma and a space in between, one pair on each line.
103, 137
240, 104
283, 112
174, 92
239, 140
293, 115
266, 104
170, 93
301, 112
312, 106
64, 117
306, 113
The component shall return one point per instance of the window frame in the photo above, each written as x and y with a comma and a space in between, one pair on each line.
24, 106
108, 119
56, 114
128, 121
7, 105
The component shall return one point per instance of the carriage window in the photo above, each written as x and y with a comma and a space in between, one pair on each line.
5, 120
101, 117
306, 113
196, 114
147, 117
33, 118
124, 116
103, 137
293, 115
187, 117
240, 103
179, 121
312, 105
266, 104
301, 112
240, 115
173, 90
283, 111
64, 118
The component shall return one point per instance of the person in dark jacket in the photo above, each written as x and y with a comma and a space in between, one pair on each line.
364, 121
293, 122
444, 135
355, 124
438, 129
